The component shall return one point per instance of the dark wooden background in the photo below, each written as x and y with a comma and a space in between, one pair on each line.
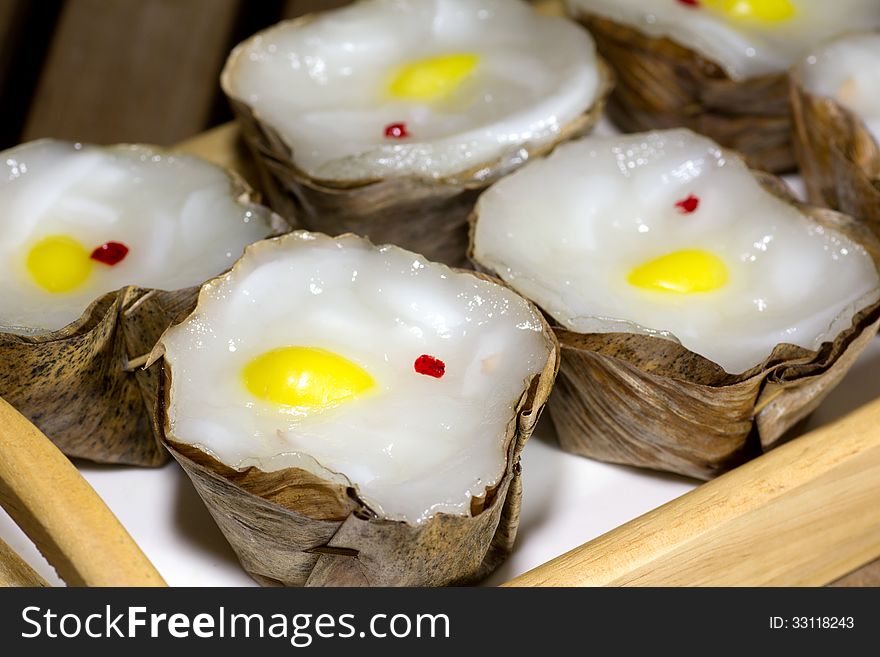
108, 71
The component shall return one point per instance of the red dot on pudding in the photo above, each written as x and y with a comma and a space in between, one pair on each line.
396, 131
430, 366
689, 3
688, 205
111, 253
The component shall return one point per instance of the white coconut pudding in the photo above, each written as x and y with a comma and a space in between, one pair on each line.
81, 221
375, 369
747, 38
664, 233
848, 70
427, 88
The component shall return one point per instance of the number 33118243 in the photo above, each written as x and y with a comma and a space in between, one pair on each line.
812, 623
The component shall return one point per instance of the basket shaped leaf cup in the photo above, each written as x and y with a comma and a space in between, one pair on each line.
102, 248
837, 125
701, 311
387, 117
365, 426
718, 67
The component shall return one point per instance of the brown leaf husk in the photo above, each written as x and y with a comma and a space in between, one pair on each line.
424, 215
650, 402
293, 528
661, 84
838, 157
84, 385
77, 386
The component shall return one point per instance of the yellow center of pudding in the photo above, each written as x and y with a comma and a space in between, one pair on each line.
305, 377
59, 263
682, 272
432, 78
766, 11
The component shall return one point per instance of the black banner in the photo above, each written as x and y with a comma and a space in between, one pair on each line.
399, 621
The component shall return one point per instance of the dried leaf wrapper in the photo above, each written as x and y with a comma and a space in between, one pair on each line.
425, 215
77, 385
85, 386
661, 84
838, 157
650, 402
294, 528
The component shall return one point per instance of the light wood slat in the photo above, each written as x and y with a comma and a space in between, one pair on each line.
132, 71
14, 571
64, 517
804, 514
223, 145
